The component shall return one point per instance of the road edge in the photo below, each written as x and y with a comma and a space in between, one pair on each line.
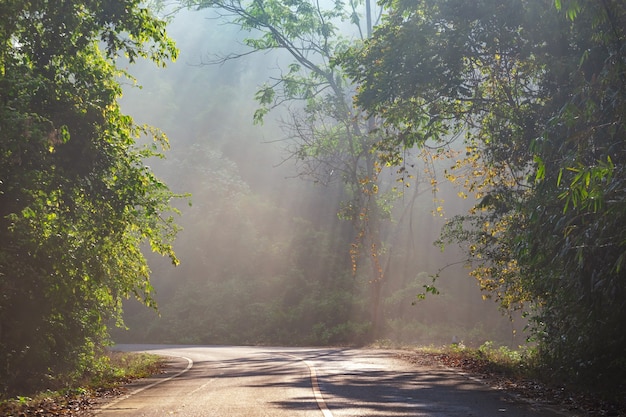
174, 370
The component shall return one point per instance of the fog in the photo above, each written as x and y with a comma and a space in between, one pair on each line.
264, 255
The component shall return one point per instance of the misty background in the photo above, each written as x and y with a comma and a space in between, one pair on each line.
265, 259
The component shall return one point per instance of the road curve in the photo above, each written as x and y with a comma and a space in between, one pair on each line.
299, 382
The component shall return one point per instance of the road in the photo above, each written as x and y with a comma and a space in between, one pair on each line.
298, 382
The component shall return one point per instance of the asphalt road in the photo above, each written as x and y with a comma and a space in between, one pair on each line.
299, 382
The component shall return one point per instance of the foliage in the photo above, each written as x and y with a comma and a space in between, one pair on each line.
119, 367
488, 360
76, 200
114, 369
251, 272
264, 257
519, 372
331, 141
538, 91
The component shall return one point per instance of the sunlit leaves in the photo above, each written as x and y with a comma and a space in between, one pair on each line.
77, 200
573, 7
537, 88
587, 187
329, 139
265, 97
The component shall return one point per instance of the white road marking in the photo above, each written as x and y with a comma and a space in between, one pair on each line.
138, 390
317, 393
200, 387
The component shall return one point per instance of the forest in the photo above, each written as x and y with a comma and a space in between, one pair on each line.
303, 172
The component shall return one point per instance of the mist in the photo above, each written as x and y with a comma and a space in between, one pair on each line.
265, 259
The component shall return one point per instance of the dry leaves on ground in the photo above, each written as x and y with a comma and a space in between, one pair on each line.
529, 390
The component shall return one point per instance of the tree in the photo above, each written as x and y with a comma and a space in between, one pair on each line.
250, 271
538, 91
77, 202
331, 141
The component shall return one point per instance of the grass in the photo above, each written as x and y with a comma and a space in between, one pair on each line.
502, 360
112, 370
487, 359
520, 363
123, 367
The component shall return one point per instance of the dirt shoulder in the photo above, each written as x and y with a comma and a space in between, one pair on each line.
557, 398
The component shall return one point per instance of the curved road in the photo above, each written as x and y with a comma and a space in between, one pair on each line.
298, 382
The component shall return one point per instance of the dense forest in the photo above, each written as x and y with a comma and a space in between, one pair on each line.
265, 255
537, 90
337, 173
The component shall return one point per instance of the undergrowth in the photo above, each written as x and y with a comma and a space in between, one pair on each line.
123, 366
520, 363
111, 370
521, 371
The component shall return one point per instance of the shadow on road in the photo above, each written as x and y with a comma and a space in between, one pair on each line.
361, 382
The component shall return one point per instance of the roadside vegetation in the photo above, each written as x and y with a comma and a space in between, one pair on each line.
536, 93
78, 204
519, 372
519, 106
79, 393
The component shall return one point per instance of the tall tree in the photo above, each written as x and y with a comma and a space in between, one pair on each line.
77, 202
538, 89
331, 141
